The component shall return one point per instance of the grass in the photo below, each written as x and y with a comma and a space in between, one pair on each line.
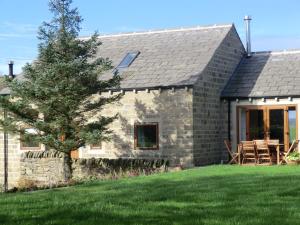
210, 195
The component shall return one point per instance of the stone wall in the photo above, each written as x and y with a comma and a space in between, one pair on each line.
14, 156
43, 169
102, 168
13, 159
171, 109
209, 113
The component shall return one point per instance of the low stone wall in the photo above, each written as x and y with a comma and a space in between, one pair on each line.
113, 168
51, 168
43, 169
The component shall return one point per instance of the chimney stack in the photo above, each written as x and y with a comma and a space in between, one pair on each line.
11, 69
247, 20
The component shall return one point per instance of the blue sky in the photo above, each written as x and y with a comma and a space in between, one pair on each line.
275, 25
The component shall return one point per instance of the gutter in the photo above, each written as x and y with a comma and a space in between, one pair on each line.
233, 98
5, 151
150, 88
5, 134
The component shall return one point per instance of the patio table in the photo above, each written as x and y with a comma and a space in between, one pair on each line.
239, 153
277, 147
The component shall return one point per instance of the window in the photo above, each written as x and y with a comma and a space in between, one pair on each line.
127, 60
95, 146
146, 136
29, 143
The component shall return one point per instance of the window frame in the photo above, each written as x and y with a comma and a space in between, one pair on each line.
22, 147
96, 147
136, 125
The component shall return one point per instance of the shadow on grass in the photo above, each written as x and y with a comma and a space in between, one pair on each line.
203, 196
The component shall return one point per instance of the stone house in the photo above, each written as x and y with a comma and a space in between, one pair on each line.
185, 91
172, 83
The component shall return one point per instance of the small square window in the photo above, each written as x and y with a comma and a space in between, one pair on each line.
146, 136
29, 144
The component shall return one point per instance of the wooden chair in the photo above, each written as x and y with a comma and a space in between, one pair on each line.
248, 151
263, 152
233, 155
294, 146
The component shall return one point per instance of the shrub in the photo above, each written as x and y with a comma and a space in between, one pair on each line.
294, 156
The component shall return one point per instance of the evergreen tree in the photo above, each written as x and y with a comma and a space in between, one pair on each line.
54, 98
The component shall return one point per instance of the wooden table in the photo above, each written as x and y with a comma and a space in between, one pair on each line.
239, 153
277, 147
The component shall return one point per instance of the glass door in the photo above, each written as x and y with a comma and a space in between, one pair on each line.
255, 128
276, 125
268, 122
282, 124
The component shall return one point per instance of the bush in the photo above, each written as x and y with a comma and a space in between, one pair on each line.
294, 156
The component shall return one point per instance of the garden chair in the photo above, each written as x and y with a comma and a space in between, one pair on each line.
263, 152
248, 151
233, 155
294, 146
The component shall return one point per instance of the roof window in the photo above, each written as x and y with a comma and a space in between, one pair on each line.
127, 60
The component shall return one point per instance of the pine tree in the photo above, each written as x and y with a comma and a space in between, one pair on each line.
57, 95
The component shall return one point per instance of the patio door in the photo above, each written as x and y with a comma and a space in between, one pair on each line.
275, 120
268, 122
255, 128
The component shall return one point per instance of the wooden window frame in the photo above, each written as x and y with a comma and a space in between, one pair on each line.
136, 136
22, 147
266, 109
95, 147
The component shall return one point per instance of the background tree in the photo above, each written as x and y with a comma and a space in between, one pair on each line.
54, 96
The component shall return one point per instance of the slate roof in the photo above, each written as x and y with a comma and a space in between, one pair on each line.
4, 90
174, 57
266, 74
167, 57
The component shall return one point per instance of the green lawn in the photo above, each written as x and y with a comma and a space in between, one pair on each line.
211, 195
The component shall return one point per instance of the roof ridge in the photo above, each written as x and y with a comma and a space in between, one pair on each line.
158, 31
278, 52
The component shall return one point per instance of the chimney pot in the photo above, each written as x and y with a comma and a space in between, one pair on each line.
11, 69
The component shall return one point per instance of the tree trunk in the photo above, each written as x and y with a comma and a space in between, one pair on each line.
68, 166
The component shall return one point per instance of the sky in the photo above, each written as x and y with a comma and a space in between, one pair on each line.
275, 23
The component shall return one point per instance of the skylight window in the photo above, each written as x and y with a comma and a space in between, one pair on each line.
128, 59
